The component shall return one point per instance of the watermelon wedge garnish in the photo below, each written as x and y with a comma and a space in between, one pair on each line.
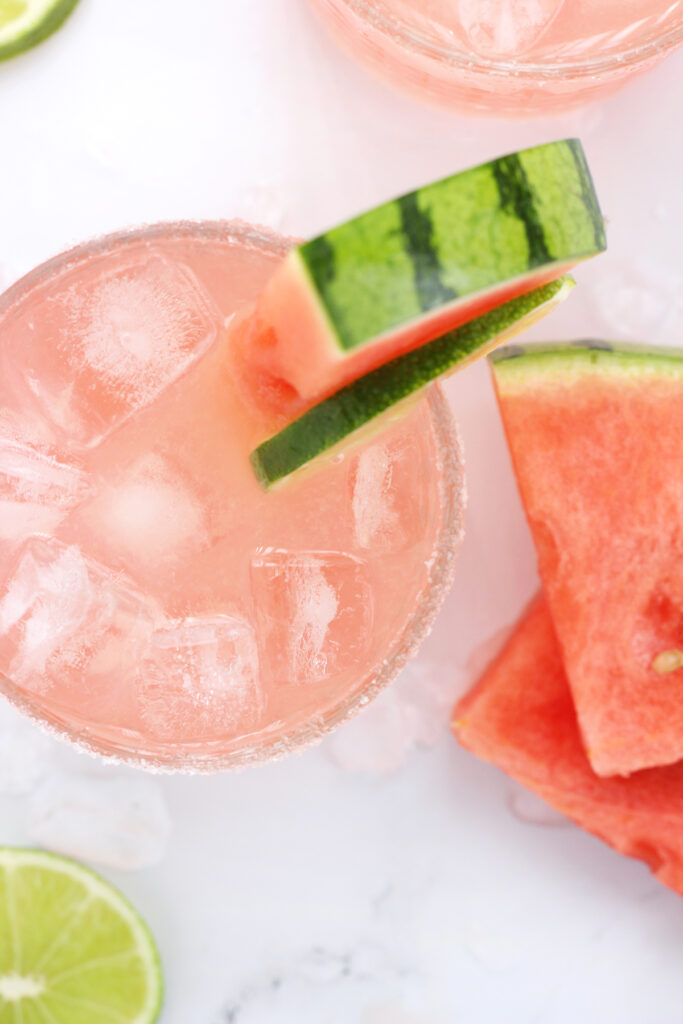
596, 436
520, 716
416, 267
363, 405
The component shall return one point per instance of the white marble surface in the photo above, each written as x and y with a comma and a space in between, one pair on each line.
304, 893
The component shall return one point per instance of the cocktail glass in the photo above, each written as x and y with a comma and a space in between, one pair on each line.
156, 605
507, 57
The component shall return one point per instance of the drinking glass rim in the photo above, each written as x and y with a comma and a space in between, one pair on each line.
399, 31
208, 758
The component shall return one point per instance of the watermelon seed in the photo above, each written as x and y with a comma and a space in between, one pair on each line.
668, 661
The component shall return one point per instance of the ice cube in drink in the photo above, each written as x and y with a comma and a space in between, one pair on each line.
198, 680
67, 624
314, 613
118, 337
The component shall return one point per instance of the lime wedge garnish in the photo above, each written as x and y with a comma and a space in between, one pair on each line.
353, 412
25, 23
72, 949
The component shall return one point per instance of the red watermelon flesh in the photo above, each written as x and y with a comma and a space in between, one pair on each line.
404, 273
520, 717
596, 436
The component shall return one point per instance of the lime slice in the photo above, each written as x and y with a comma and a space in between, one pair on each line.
25, 23
362, 407
72, 949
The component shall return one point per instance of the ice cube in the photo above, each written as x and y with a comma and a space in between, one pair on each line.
633, 305
387, 496
148, 513
20, 418
104, 342
119, 822
27, 475
413, 712
506, 28
66, 621
198, 680
314, 613
36, 490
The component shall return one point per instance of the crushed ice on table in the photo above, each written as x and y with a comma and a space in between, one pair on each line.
36, 490
76, 803
61, 615
198, 679
505, 28
117, 339
633, 306
413, 712
118, 821
314, 613
150, 514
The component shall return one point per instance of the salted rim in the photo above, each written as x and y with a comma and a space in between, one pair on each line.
400, 32
270, 745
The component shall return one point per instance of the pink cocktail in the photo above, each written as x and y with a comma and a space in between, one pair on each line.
155, 603
507, 56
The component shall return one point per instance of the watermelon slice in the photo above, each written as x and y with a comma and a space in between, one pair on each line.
347, 416
408, 271
520, 716
596, 435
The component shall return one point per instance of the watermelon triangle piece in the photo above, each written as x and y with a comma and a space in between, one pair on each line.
520, 717
596, 436
411, 269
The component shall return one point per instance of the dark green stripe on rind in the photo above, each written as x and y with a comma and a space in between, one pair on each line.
419, 230
517, 196
333, 420
455, 238
53, 19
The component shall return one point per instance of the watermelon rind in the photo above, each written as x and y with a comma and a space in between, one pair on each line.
572, 359
336, 420
514, 216
594, 431
520, 716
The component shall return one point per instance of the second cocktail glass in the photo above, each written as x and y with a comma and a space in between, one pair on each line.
507, 57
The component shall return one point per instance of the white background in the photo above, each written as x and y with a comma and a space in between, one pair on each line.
302, 893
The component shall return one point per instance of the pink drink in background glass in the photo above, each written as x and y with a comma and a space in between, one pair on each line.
155, 602
507, 56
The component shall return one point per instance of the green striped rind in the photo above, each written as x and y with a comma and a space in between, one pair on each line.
453, 239
332, 421
25, 23
567, 360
